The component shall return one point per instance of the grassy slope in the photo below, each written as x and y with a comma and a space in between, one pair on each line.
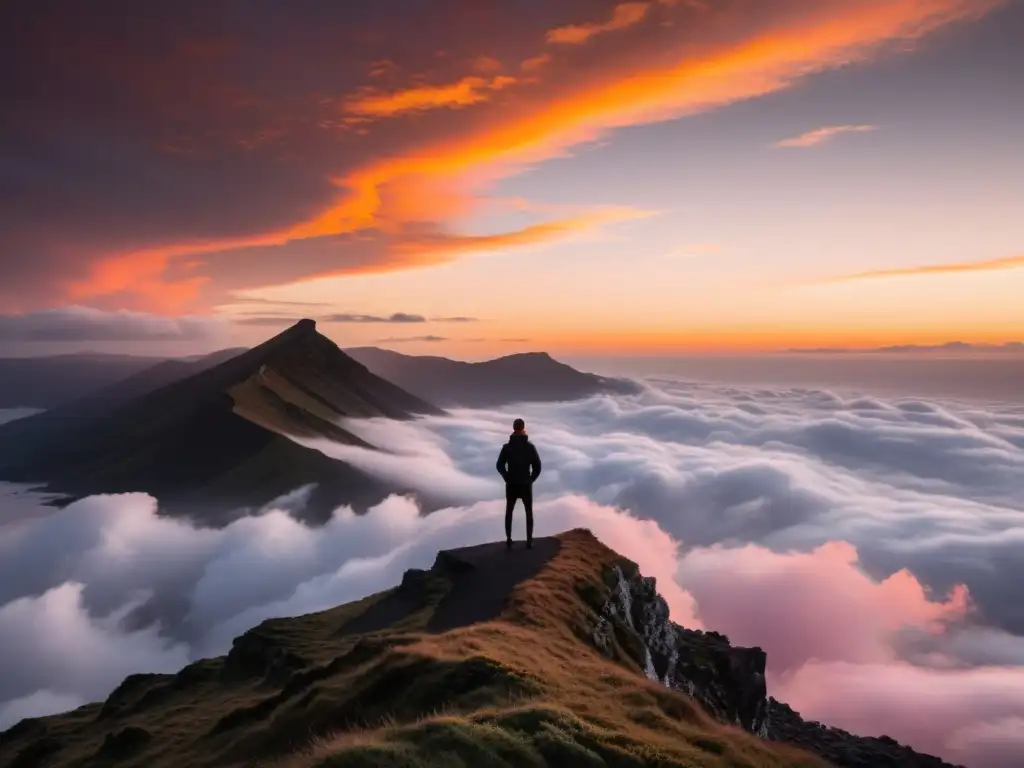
523, 690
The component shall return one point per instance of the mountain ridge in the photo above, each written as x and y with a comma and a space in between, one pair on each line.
964, 347
520, 377
51, 381
117, 378
560, 655
222, 436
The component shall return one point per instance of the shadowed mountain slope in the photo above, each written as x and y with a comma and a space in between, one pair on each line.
46, 382
216, 439
71, 419
532, 376
558, 656
147, 380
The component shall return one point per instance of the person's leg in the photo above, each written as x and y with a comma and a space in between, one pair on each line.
510, 503
528, 506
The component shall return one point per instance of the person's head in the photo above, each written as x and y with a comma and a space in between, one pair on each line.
518, 425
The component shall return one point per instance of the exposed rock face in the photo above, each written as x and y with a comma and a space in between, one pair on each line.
729, 682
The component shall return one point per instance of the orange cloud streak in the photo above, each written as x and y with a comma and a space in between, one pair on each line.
438, 248
140, 271
821, 135
768, 62
990, 265
531, 235
623, 15
534, 63
467, 91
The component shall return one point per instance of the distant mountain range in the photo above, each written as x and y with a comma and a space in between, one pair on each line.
214, 440
532, 376
1011, 347
44, 382
212, 436
110, 380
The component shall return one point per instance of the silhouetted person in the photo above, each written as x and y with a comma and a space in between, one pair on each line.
519, 465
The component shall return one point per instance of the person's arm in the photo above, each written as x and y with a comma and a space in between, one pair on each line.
500, 465
534, 463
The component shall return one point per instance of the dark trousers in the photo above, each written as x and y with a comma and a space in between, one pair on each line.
524, 492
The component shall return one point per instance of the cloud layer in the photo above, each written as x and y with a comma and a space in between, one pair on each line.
872, 547
69, 324
405, 339
949, 268
821, 135
395, 317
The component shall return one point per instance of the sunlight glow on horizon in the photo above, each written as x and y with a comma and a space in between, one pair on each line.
652, 176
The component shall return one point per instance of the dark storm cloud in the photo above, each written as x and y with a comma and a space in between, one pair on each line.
88, 324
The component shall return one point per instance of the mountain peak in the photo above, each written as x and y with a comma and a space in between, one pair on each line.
303, 333
221, 438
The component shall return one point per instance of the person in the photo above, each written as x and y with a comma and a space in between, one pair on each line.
519, 465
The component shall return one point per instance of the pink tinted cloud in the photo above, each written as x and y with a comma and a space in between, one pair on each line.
645, 543
821, 135
969, 716
815, 605
991, 745
828, 629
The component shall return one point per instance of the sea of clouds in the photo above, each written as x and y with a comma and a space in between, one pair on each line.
874, 548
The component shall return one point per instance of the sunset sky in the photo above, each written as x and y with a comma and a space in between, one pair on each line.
472, 178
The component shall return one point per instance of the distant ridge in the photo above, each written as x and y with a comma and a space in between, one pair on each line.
145, 381
219, 438
46, 382
1010, 347
523, 377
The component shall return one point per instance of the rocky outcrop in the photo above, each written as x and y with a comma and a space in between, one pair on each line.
633, 625
840, 747
728, 681
256, 655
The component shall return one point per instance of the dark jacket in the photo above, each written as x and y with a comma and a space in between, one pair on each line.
518, 462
